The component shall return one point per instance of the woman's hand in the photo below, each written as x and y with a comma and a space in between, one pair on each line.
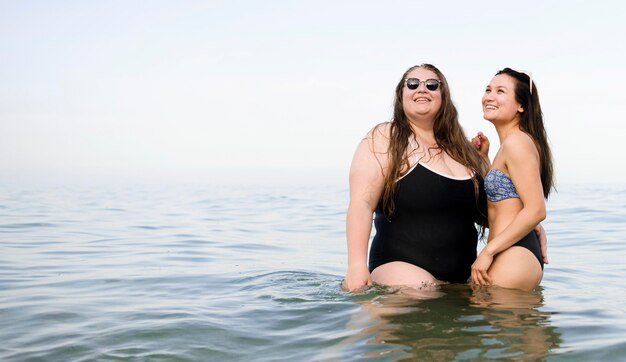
543, 242
356, 278
480, 267
481, 142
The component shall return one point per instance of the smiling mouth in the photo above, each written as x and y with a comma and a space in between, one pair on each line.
421, 100
491, 108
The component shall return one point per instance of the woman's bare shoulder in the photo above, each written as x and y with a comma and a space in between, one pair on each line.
518, 141
381, 129
519, 146
378, 137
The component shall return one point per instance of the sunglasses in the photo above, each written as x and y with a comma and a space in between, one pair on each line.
414, 83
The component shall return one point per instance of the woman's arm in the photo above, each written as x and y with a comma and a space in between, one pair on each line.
522, 165
366, 185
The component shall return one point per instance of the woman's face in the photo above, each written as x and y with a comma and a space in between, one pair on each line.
499, 104
421, 102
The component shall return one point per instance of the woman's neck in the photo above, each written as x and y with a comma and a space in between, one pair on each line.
506, 129
423, 131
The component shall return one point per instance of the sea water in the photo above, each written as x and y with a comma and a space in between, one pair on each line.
252, 273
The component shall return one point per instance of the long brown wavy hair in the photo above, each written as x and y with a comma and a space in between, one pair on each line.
531, 123
449, 136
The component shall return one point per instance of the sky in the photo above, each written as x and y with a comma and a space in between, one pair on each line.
245, 91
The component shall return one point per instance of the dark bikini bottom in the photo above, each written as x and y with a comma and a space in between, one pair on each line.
531, 242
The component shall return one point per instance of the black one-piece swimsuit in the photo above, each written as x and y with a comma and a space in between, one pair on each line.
433, 225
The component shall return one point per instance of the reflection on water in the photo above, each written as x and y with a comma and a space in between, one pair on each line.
464, 323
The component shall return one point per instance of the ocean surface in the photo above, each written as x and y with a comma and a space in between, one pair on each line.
252, 273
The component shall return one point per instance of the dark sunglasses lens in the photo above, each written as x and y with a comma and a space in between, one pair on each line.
412, 83
432, 84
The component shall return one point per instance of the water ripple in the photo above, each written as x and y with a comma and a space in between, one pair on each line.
225, 273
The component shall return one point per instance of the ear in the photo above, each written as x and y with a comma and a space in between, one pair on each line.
520, 109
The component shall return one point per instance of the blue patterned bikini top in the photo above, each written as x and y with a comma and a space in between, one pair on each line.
498, 186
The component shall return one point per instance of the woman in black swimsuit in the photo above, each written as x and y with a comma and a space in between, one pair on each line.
421, 179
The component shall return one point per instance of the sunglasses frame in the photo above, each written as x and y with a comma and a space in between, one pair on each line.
428, 83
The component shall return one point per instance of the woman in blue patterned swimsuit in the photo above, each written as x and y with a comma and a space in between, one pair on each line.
516, 185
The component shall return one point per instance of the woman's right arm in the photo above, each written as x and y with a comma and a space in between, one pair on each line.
366, 185
481, 143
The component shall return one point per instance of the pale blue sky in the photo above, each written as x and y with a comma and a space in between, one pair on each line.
249, 90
